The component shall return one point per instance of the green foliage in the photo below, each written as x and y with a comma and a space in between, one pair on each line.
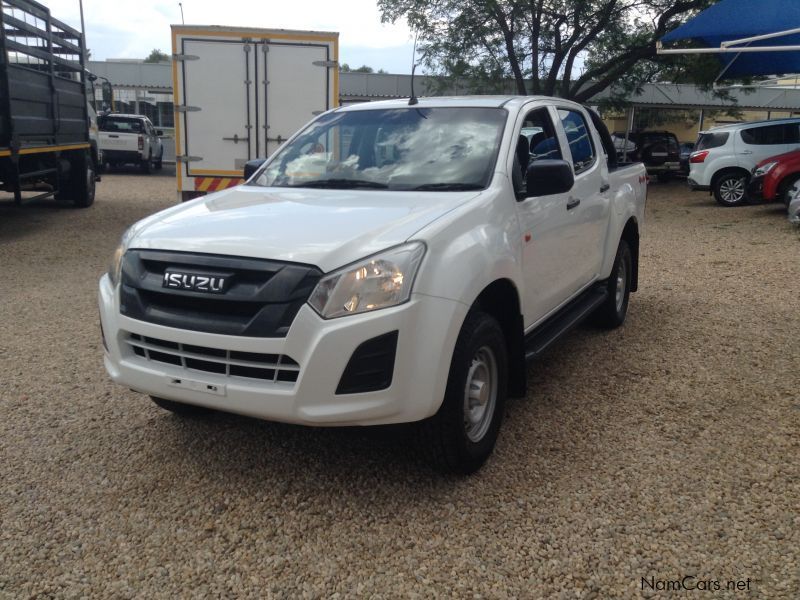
570, 48
345, 68
156, 56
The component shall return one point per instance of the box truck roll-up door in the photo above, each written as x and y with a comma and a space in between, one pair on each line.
243, 98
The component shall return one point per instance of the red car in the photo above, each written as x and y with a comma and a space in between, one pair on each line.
773, 177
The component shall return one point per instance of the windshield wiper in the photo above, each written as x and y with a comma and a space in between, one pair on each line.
449, 187
342, 184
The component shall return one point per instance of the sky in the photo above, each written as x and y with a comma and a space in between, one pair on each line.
116, 29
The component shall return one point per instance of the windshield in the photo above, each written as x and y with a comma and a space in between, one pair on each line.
442, 149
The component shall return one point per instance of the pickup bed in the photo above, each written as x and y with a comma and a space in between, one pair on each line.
130, 139
391, 263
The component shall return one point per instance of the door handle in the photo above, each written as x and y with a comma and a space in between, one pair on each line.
605, 187
236, 139
572, 203
747, 151
113, 136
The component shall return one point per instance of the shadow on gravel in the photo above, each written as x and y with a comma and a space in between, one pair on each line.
251, 456
17, 221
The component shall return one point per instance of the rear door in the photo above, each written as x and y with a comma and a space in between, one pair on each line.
754, 144
217, 106
296, 81
589, 199
242, 98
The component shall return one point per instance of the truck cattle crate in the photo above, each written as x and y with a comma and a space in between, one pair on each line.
240, 93
45, 145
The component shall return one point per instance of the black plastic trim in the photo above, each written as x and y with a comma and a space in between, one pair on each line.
371, 367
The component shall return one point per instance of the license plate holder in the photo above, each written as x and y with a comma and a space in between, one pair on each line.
196, 385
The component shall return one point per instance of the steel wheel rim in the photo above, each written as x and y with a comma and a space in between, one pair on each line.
732, 190
622, 280
480, 394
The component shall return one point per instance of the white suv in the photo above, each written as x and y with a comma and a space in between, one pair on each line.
725, 157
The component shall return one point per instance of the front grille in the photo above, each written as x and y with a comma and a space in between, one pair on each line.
261, 299
231, 363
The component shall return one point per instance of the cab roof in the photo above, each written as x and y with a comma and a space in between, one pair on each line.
454, 101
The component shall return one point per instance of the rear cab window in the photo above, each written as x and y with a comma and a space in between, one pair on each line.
121, 125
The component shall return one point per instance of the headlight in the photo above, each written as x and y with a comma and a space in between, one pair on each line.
376, 282
116, 260
764, 169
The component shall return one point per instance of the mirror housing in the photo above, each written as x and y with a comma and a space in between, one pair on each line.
549, 176
251, 166
159, 132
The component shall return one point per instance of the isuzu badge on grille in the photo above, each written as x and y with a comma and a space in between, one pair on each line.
195, 282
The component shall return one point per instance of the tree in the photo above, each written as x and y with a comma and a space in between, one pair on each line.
156, 56
569, 48
345, 68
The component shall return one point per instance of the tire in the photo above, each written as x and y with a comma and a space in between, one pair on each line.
462, 434
730, 189
791, 193
147, 165
158, 164
180, 408
787, 189
78, 187
612, 312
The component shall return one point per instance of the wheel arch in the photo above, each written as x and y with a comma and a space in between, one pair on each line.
725, 171
500, 299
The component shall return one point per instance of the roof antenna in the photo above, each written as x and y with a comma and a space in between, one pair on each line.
413, 100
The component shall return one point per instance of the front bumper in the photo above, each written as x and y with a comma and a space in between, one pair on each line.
755, 189
427, 329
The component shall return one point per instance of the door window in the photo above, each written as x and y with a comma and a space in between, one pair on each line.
579, 138
537, 141
772, 135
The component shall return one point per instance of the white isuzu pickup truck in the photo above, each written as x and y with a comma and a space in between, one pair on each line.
392, 262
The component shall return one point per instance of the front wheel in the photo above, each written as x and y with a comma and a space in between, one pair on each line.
461, 436
730, 189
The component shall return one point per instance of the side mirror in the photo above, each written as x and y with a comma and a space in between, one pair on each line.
251, 166
547, 177
159, 132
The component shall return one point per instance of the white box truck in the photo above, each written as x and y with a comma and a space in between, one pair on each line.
240, 93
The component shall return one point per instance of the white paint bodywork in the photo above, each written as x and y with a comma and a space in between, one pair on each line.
472, 239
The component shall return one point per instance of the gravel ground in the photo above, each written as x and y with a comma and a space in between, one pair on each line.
667, 448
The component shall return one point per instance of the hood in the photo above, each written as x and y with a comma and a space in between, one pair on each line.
321, 227
792, 156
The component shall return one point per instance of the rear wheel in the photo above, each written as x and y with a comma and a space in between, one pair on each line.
179, 408
612, 312
730, 189
461, 436
77, 186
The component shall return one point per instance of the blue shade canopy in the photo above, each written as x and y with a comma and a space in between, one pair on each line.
736, 19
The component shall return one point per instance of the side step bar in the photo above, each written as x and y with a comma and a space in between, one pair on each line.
538, 340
